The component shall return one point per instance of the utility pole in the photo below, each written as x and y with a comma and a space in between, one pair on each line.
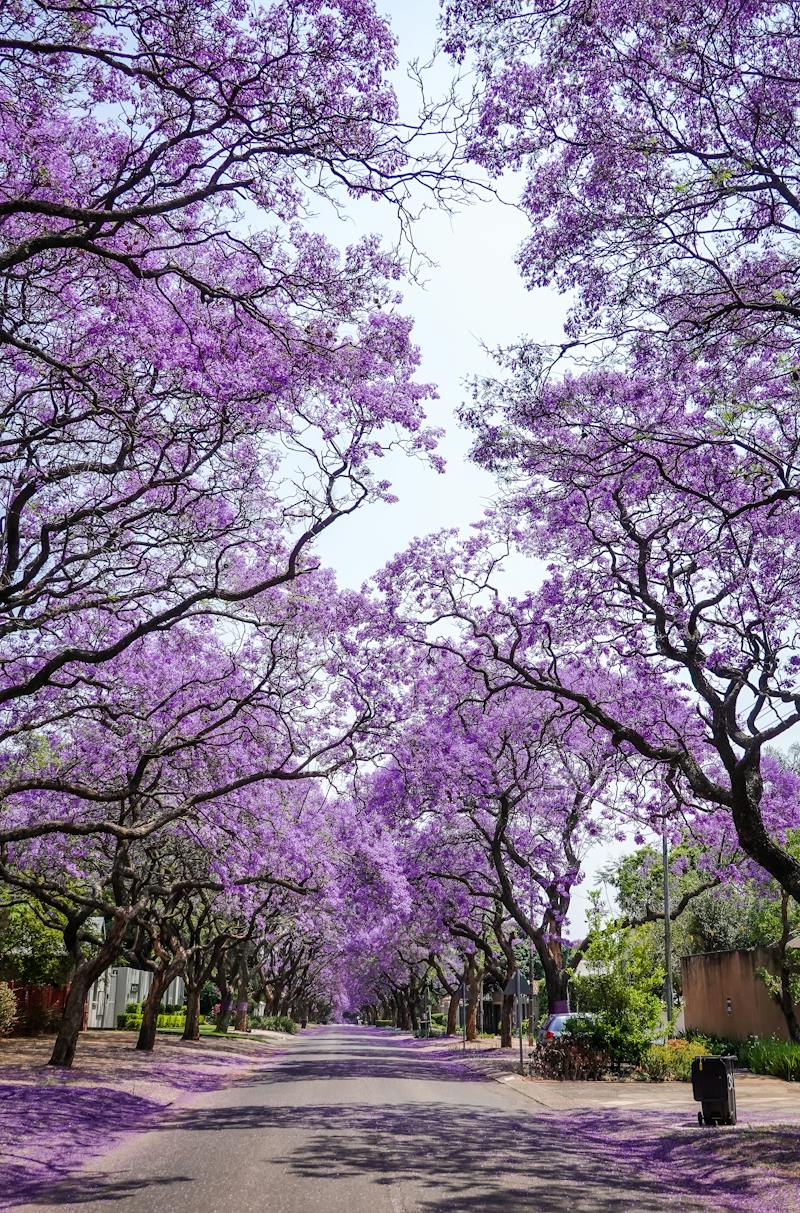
667, 922
464, 1014
530, 979
519, 1021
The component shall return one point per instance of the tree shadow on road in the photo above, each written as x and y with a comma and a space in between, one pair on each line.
494, 1161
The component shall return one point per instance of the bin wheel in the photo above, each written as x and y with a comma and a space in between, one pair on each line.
700, 1118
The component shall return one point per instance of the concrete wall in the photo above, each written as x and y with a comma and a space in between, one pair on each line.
723, 996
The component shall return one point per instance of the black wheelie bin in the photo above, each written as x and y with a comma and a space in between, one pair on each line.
713, 1087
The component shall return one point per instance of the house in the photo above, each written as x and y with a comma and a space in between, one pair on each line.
111, 993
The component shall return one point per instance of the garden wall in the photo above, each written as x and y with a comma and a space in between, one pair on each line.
723, 996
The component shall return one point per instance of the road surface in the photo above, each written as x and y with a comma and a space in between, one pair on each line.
351, 1120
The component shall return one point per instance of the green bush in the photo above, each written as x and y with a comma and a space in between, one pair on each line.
672, 1061
280, 1023
569, 1059
273, 1023
624, 1036
43, 1019
132, 1019
8, 1008
717, 1046
778, 1058
172, 1021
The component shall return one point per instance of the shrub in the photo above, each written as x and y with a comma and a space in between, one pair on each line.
8, 1008
779, 1058
623, 1036
132, 1020
43, 1019
718, 1046
672, 1061
280, 1023
568, 1058
172, 1021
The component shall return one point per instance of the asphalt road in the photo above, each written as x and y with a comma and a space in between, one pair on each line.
349, 1120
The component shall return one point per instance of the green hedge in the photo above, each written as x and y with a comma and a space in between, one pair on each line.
672, 1062
718, 1046
132, 1020
778, 1058
274, 1023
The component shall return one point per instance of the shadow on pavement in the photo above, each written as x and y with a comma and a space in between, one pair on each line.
460, 1154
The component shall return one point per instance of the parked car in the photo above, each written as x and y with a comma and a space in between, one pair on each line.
553, 1026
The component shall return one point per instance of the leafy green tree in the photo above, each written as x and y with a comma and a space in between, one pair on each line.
621, 987
8, 1009
31, 944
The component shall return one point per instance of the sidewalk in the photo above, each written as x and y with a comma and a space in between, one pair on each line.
760, 1100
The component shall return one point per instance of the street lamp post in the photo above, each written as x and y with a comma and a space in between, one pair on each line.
667, 923
464, 1015
530, 979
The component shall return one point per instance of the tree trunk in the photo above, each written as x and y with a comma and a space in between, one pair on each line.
556, 977
86, 973
507, 1021
452, 1012
403, 1012
242, 990
161, 980
191, 1029
147, 1032
72, 1019
787, 1005
787, 970
473, 994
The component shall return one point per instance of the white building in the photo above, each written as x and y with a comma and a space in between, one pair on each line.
111, 993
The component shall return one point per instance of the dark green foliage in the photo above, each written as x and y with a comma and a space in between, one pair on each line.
622, 1036
622, 989
8, 1009
719, 1046
274, 1023
31, 945
779, 1058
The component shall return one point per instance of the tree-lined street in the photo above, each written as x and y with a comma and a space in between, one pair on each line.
349, 1120
533, 771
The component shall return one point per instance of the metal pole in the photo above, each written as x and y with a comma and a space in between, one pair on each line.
667, 923
519, 1021
530, 980
480, 1012
464, 1015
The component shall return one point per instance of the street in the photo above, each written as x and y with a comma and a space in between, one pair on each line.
350, 1120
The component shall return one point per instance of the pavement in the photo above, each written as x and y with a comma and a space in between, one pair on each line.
355, 1120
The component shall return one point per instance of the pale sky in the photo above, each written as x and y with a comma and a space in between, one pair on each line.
472, 298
